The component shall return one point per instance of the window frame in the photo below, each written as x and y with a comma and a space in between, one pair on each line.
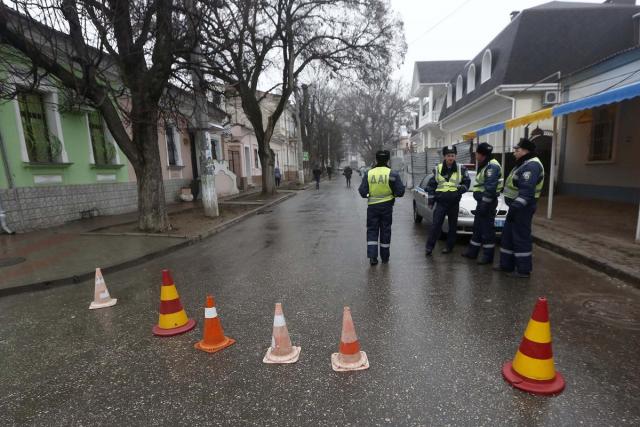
471, 78
459, 87
487, 66
49, 98
108, 140
449, 95
256, 159
613, 111
172, 129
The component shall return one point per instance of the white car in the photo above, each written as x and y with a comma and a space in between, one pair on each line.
466, 211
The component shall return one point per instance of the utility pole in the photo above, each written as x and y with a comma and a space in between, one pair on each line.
300, 147
203, 147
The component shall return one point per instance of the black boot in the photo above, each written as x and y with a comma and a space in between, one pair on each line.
373, 261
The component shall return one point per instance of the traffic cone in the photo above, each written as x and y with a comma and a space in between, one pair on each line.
532, 368
172, 320
349, 357
101, 298
281, 350
213, 338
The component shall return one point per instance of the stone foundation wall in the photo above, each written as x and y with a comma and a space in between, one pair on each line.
29, 208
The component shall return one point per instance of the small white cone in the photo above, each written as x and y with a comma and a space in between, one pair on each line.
101, 297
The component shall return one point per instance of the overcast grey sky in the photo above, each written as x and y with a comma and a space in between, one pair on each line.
453, 29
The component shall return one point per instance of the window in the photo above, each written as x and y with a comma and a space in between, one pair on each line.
602, 133
256, 159
459, 84
485, 73
471, 78
216, 150
425, 106
449, 95
173, 156
42, 146
104, 153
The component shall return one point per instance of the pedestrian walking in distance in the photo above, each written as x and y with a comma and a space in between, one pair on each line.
329, 171
347, 172
278, 175
522, 190
489, 183
317, 172
380, 186
445, 188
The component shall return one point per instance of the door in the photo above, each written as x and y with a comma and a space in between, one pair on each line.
247, 164
234, 163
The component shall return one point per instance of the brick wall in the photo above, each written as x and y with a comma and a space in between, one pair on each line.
29, 208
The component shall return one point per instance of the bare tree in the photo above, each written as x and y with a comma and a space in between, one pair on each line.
117, 56
248, 41
374, 114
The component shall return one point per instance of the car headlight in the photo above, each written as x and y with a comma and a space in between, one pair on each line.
463, 212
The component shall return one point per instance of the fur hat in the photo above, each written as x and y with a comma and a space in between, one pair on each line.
449, 149
484, 148
526, 144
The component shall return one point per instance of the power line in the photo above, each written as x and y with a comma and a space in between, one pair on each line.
434, 26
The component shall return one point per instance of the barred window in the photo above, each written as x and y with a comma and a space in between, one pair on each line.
602, 131
104, 152
171, 146
40, 145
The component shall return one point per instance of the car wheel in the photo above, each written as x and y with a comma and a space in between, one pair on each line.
416, 217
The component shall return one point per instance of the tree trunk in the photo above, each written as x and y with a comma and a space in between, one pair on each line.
268, 163
152, 210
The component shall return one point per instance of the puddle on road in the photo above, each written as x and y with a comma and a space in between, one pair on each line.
614, 310
8, 262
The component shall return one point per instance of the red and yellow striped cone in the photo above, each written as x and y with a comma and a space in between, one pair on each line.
213, 338
281, 350
349, 356
173, 320
533, 369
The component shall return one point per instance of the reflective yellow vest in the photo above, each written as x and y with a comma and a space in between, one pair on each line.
452, 184
379, 188
511, 191
479, 186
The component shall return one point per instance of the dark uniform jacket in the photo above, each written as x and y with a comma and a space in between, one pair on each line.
448, 197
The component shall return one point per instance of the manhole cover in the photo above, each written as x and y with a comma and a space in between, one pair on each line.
621, 311
8, 262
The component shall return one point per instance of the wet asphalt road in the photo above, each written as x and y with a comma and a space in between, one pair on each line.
436, 332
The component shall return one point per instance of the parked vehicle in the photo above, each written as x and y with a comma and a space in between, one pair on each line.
466, 211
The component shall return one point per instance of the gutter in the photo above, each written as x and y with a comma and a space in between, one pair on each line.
5, 161
513, 113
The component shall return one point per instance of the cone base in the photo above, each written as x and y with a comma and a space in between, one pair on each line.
360, 365
174, 331
212, 348
554, 386
94, 305
289, 358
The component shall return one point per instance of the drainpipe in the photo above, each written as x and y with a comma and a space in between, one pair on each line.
3, 217
513, 111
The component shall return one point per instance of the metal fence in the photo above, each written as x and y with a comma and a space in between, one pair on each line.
419, 165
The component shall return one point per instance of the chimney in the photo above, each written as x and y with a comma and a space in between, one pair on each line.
514, 14
636, 29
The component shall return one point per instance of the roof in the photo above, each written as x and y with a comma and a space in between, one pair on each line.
438, 71
552, 37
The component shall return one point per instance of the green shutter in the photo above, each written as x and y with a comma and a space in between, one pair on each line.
34, 124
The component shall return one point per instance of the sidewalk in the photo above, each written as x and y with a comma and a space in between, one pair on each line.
70, 253
593, 232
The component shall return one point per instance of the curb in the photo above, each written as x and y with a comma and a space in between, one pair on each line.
595, 264
48, 284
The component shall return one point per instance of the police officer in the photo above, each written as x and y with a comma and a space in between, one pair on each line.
381, 186
522, 190
486, 190
445, 188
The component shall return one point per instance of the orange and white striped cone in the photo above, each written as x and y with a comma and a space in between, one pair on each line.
349, 356
101, 298
532, 368
281, 350
172, 320
213, 338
